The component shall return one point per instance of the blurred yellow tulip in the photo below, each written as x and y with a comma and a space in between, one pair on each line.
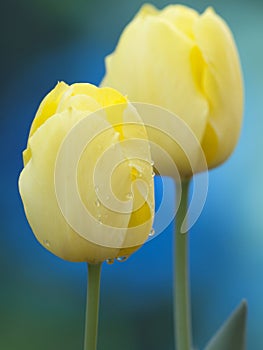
188, 64
87, 185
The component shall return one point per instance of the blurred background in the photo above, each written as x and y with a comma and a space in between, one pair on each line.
42, 298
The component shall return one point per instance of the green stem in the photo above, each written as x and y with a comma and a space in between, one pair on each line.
182, 309
92, 309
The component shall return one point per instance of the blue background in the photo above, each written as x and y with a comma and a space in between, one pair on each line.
42, 298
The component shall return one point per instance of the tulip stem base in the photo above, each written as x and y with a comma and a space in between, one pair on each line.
92, 308
182, 309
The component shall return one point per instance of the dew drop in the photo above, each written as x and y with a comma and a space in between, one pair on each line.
129, 195
46, 243
97, 203
152, 232
99, 218
110, 261
152, 163
122, 258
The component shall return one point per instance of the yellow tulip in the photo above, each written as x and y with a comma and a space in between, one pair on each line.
188, 64
87, 185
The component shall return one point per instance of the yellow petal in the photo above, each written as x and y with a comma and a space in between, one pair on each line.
222, 85
47, 109
146, 10
153, 64
36, 185
107, 232
79, 102
48, 106
182, 17
105, 97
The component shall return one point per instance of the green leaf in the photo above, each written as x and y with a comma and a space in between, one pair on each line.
232, 334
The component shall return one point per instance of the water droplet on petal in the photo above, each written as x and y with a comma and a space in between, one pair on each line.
99, 218
97, 202
152, 163
110, 261
122, 258
152, 232
46, 243
129, 195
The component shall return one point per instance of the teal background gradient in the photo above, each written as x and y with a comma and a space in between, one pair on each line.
42, 298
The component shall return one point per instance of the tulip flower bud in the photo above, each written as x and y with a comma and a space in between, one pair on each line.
87, 185
188, 64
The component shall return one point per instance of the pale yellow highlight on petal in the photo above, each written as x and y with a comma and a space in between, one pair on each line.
79, 102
